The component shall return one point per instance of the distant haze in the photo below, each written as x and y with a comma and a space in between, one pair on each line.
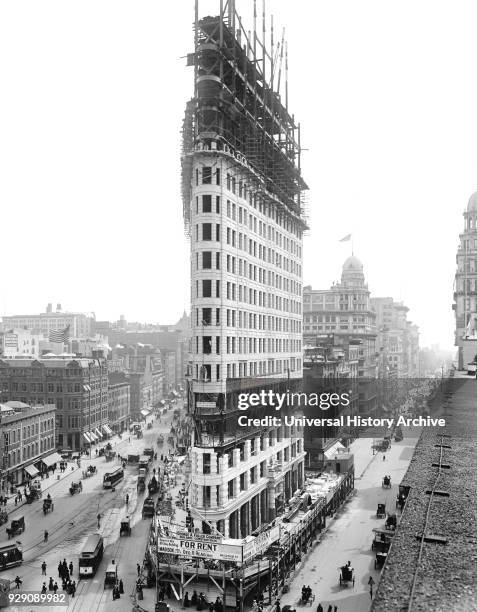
93, 95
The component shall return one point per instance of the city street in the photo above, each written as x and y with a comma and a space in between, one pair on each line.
75, 517
349, 534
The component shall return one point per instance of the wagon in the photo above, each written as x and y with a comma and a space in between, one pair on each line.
76, 487
380, 559
391, 522
32, 495
387, 482
346, 575
125, 527
381, 511
153, 486
48, 505
141, 483
148, 508
17, 526
382, 540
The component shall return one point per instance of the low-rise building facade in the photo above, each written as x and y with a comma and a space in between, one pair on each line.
28, 435
78, 387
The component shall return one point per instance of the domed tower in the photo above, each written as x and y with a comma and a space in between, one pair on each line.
352, 274
465, 287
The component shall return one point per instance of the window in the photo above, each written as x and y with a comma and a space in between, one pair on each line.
206, 316
230, 487
242, 482
217, 177
217, 260
206, 288
217, 232
206, 175
206, 231
207, 203
206, 463
207, 345
206, 260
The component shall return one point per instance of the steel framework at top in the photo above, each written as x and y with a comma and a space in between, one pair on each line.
236, 107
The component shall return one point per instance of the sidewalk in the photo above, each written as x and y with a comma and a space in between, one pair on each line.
363, 455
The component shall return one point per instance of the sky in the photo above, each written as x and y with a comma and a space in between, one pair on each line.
93, 97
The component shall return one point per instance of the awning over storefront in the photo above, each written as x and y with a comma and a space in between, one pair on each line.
334, 450
31, 471
98, 433
86, 437
145, 412
93, 436
109, 430
51, 459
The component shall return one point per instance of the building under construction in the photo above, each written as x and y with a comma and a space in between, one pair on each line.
244, 213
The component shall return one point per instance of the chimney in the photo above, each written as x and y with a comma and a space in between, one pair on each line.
49, 309
58, 308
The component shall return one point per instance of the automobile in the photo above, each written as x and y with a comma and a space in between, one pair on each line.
381, 511
380, 559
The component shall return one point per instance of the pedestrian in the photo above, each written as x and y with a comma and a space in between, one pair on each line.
330, 608
186, 600
70, 567
121, 587
384, 457
51, 584
60, 570
335, 609
55, 587
99, 519
73, 588
43, 568
319, 608
18, 582
43, 589
277, 606
16, 501
138, 567
45, 536
371, 584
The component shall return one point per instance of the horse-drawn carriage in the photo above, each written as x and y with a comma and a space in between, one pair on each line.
346, 575
76, 487
307, 597
141, 483
391, 522
148, 508
17, 526
381, 511
380, 559
32, 495
387, 482
92, 469
153, 486
48, 505
125, 528
382, 540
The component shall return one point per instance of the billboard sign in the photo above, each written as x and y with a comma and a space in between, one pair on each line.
260, 543
187, 546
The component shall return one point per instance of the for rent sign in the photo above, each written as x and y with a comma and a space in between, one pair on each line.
200, 549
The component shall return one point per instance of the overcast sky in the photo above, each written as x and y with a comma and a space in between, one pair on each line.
91, 105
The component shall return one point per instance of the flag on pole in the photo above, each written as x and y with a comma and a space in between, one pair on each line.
59, 335
346, 238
